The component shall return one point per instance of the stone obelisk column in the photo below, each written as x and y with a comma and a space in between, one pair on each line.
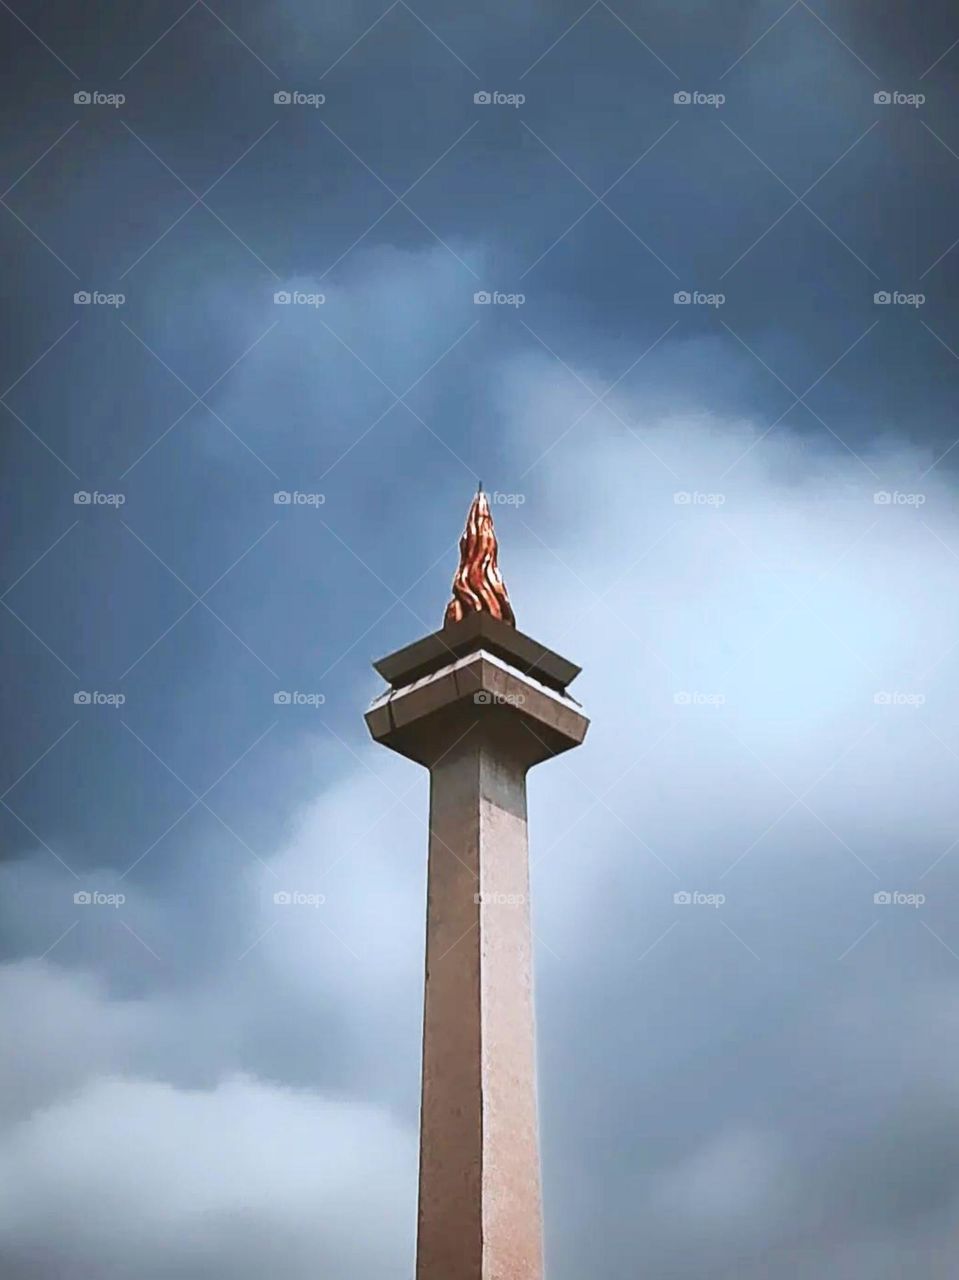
478, 703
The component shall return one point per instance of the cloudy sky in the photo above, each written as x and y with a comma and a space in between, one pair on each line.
737, 511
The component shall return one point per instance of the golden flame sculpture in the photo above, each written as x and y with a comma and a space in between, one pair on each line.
478, 585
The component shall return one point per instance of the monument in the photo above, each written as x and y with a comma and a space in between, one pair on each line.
478, 703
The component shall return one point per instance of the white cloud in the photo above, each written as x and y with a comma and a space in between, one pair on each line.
735, 1179
141, 1178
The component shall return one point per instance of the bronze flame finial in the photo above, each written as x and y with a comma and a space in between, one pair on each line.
478, 585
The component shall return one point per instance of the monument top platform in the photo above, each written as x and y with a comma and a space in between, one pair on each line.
476, 631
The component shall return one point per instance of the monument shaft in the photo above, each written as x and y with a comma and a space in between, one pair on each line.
478, 703
479, 1204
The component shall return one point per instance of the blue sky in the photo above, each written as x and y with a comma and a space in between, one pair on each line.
738, 513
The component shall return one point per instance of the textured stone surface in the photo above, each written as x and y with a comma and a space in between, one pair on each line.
479, 1209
